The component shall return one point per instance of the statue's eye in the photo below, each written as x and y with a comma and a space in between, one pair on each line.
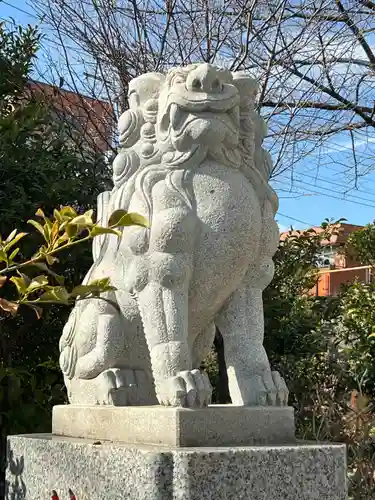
196, 84
216, 85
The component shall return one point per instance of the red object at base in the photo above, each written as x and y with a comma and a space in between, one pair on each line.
55, 496
72, 495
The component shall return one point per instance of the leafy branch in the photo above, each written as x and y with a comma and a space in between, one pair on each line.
65, 229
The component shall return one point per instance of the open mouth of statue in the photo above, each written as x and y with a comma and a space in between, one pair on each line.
180, 118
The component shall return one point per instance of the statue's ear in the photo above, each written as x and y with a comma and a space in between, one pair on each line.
246, 86
133, 99
145, 87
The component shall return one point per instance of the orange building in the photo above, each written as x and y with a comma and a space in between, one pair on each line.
92, 120
335, 268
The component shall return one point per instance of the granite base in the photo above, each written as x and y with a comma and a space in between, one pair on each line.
108, 471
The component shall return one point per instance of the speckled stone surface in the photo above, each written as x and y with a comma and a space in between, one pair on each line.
217, 425
108, 471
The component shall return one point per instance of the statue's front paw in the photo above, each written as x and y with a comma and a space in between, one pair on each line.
267, 389
117, 387
189, 389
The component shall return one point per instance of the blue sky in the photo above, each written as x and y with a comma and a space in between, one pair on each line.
320, 188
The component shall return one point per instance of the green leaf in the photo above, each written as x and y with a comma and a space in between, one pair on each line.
71, 230
13, 254
51, 259
82, 220
11, 236
95, 286
116, 216
62, 239
47, 230
102, 282
42, 265
37, 226
55, 230
89, 214
40, 213
83, 290
14, 241
80, 290
37, 283
3, 255
22, 282
130, 219
68, 212
97, 230
57, 294
57, 215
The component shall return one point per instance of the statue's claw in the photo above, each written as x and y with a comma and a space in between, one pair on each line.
117, 387
282, 392
268, 389
189, 389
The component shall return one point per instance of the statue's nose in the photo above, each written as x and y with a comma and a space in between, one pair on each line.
204, 78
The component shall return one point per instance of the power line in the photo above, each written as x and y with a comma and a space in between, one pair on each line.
327, 180
343, 198
329, 195
339, 170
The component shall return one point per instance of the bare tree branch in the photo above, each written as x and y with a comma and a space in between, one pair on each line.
314, 60
357, 32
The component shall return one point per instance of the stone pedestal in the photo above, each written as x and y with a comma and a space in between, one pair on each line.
157, 453
108, 471
217, 425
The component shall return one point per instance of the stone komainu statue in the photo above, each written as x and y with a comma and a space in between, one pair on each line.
191, 161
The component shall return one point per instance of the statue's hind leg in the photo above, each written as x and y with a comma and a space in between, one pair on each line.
241, 324
104, 356
115, 386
